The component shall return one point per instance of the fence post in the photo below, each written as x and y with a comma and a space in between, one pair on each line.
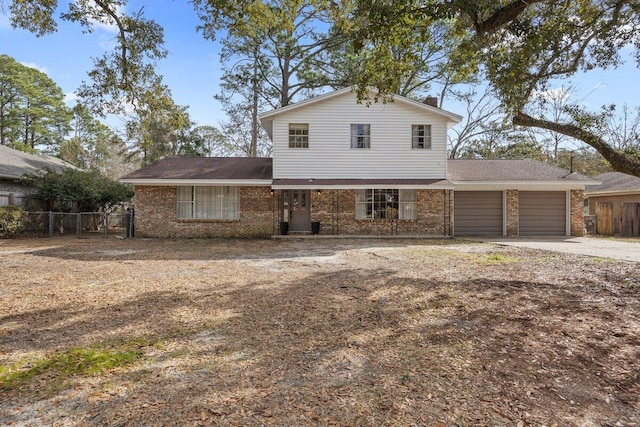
79, 224
105, 223
50, 224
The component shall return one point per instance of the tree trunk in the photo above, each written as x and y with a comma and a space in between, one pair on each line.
254, 106
619, 161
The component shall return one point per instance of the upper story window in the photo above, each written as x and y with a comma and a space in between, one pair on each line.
360, 136
208, 202
298, 135
421, 136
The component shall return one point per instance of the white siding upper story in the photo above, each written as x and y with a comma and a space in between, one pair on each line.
329, 153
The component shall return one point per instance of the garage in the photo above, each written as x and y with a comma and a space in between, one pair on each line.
542, 213
478, 213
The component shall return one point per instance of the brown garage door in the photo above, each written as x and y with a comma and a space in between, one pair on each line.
542, 213
477, 213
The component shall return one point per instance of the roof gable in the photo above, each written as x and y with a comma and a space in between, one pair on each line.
268, 117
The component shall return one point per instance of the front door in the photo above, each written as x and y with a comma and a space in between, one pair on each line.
297, 204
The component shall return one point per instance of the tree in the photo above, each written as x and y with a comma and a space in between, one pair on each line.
522, 47
120, 78
274, 53
92, 145
73, 190
32, 109
158, 129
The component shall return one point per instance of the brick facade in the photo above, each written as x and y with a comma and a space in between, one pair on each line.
513, 213
260, 212
577, 213
156, 215
335, 210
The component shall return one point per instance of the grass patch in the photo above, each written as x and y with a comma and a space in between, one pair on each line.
499, 259
74, 362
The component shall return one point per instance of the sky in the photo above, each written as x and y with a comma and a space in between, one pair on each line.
192, 69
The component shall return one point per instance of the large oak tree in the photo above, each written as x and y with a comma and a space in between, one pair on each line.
521, 46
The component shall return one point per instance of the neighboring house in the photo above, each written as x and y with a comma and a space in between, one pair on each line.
14, 164
356, 170
616, 204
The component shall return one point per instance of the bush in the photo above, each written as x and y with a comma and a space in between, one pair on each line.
10, 221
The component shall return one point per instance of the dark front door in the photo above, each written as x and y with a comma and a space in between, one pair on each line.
299, 210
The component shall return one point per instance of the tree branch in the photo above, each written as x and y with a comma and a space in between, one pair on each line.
619, 161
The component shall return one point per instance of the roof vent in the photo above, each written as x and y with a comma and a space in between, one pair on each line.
432, 101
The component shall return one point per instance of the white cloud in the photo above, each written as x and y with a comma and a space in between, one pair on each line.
558, 95
108, 25
70, 98
36, 66
109, 43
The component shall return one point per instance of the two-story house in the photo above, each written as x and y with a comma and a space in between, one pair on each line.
354, 169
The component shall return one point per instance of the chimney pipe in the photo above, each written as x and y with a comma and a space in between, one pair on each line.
432, 101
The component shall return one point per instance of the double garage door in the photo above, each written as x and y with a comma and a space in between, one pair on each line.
480, 213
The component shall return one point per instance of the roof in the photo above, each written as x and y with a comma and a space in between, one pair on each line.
281, 184
511, 170
15, 163
267, 117
259, 170
239, 169
615, 183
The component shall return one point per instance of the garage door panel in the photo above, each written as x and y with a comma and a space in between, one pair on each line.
478, 213
542, 213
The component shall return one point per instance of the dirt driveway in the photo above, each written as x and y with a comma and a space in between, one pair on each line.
621, 249
315, 332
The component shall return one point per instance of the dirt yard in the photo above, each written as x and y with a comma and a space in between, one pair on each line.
315, 332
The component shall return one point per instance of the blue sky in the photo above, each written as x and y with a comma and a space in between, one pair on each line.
192, 69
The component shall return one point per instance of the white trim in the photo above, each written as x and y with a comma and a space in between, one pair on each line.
504, 212
362, 187
200, 182
517, 185
611, 193
567, 227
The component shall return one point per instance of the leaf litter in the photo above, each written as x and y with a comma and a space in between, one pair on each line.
318, 332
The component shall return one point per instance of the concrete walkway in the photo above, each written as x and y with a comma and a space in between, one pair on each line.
625, 250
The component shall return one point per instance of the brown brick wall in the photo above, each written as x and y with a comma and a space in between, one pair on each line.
335, 210
577, 212
156, 215
513, 222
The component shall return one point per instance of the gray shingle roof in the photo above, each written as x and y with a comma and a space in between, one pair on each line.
615, 182
509, 170
206, 168
14, 163
247, 168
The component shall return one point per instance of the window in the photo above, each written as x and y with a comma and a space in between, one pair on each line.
208, 203
298, 135
386, 204
421, 136
360, 136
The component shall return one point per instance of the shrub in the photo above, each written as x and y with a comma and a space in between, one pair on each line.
10, 221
